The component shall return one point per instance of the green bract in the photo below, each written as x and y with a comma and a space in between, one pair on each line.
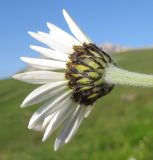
85, 71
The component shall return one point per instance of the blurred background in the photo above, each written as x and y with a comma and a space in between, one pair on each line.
121, 125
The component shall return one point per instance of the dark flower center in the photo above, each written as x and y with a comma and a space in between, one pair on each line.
85, 71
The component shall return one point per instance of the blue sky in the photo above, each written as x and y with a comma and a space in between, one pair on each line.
124, 22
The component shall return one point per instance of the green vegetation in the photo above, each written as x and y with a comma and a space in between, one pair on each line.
119, 127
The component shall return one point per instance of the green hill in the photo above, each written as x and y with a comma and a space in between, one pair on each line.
119, 128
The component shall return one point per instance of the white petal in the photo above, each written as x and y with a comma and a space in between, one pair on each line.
49, 108
40, 77
88, 110
54, 40
47, 132
47, 120
38, 127
77, 121
60, 140
57, 144
44, 63
78, 33
51, 43
58, 119
44, 92
70, 128
62, 34
49, 53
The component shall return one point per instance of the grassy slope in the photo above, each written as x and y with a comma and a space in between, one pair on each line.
117, 129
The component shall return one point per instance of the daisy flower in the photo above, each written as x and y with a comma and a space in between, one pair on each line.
73, 74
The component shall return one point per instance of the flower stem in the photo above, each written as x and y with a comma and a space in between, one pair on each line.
115, 75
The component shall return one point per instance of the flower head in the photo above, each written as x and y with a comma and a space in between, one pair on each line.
73, 74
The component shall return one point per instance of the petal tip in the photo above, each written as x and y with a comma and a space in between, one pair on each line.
64, 11
48, 24
25, 59
15, 76
30, 32
57, 144
22, 58
43, 139
18, 76
29, 126
22, 105
66, 141
31, 46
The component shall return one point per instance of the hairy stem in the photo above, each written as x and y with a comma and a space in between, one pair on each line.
115, 75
